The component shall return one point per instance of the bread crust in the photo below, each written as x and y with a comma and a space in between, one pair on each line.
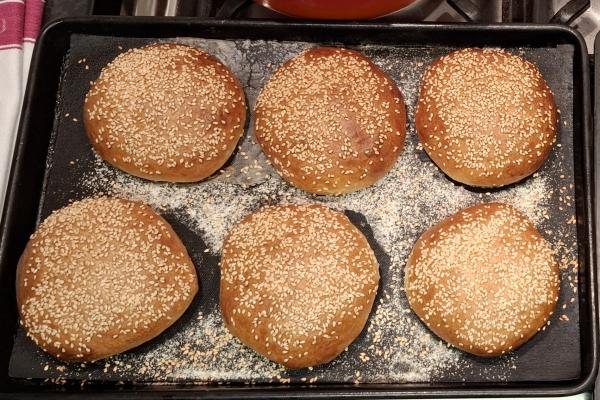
486, 118
297, 283
102, 276
483, 279
330, 121
165, 112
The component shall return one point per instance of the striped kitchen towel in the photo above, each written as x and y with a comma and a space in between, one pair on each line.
19, 26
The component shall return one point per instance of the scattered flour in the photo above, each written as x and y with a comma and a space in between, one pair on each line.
397, 209
395, 346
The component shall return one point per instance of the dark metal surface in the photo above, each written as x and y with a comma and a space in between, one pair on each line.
570, 11
230, 8
471, 11
56, 9
596, 180
25, 187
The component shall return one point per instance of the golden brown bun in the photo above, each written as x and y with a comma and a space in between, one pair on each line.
486, 117
330, 121
165, 112
484, 279
102, 276
297, 283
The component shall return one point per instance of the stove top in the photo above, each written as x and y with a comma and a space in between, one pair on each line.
431, 11
583, 15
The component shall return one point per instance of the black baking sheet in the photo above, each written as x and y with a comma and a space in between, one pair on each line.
552, 355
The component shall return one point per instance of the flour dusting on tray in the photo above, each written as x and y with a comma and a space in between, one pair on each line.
395, 346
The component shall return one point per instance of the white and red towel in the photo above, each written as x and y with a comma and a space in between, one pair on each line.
19, 26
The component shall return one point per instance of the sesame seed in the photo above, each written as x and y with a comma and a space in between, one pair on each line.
99, 269
486, 275
160, 108
481, 108
323, 112
297, 274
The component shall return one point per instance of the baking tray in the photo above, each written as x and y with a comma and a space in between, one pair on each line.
595, 65
35, 182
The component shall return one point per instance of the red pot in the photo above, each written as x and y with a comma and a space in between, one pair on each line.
336, 9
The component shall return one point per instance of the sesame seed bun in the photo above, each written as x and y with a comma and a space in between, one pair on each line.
483, 279
102, 276
486, 117
165, 112
330, 121
297, 283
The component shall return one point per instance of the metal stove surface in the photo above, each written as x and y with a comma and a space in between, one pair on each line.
586, 21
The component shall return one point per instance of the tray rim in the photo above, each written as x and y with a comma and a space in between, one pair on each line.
78, 25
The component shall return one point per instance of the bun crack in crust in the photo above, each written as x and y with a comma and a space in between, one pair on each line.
330, 121
165, 112
101, 276
484, 279
486, 117
297, 283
